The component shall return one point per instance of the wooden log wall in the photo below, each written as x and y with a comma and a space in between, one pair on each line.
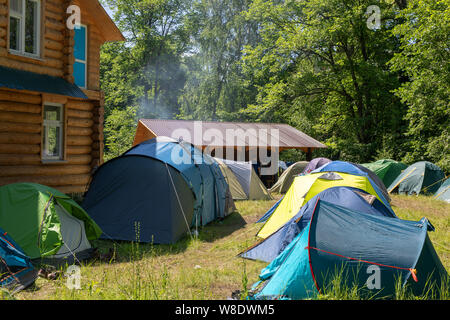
57, 43
3, 27
21, 112
21, 139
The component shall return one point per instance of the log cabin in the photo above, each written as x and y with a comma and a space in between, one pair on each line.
51, 105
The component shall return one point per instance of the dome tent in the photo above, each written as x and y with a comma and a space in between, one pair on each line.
338, 239
156, 191
386, 169
46, 223
243, 181
286, 178
351, 198
306, 187
444, 191
356, 169
315, 164
422, 177
16, 270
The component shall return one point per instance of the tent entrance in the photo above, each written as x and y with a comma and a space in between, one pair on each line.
73, 234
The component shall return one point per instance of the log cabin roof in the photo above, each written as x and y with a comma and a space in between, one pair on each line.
288, 137
106, 25
30, 81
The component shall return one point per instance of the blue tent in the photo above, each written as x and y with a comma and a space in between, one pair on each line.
352, 198
16, 270
156, 192
371, 251
358, 170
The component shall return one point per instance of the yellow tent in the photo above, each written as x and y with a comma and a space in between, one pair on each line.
306, 187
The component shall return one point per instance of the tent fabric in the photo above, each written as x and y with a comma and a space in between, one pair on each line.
73, 234
16, 269
386, 169
29, 213
156, 192
443, 192
315, 164
419, 178
338, 240
356, 169
248, 179
306, 187
285, 180
270, 211
236, 189
352, 198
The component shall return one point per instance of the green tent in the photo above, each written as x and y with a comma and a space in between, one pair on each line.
285, 180
444, 191
45, 222
386, 169
419, 178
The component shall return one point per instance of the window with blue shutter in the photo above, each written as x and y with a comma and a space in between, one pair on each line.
80, 53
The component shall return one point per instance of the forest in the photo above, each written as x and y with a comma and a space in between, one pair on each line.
370, 79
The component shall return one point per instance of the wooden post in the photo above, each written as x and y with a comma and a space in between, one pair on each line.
309, 154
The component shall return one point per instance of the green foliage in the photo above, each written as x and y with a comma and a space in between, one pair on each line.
321, 69
424, 59
215, 87
120, 128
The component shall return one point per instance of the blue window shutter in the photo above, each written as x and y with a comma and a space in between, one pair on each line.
80, 43
79, 73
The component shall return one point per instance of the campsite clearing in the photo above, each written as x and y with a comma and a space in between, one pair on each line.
207, 268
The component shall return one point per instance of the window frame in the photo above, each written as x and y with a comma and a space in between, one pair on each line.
22, 30
85, 62
60, 124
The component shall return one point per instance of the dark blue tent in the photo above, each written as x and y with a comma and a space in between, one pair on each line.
16, 270
352, 198
156, 192
371, 251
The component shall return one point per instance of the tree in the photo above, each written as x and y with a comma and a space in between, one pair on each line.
320, 68
143, 76
215, 86
424, 59
156, 41
120, 127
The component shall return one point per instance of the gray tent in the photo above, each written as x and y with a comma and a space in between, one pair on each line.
243, 181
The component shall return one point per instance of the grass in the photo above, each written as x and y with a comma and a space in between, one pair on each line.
207, 267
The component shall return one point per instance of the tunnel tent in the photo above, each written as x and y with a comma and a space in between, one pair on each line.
422, 177
306, 187
351, 198
47, 224
443, 192
285, 180
243, 180
339, 241
156, 192
386, 169
16, 270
